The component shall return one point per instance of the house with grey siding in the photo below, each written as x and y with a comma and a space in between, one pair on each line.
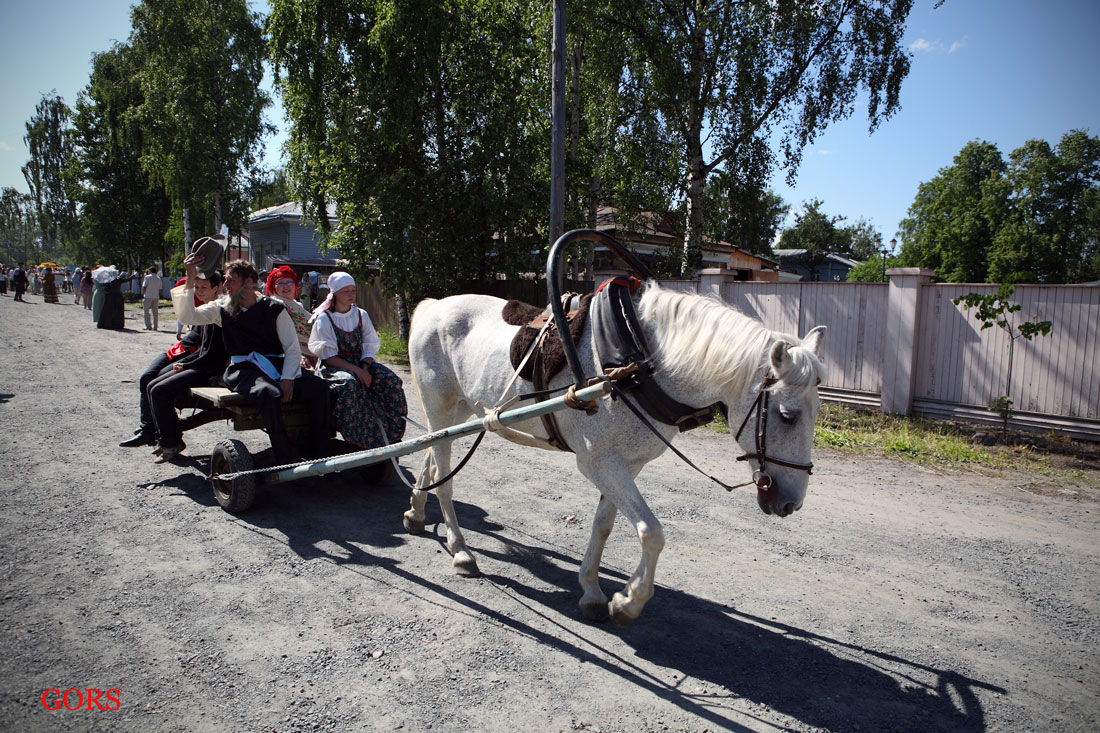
280, 235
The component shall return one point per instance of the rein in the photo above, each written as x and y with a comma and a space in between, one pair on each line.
760, 476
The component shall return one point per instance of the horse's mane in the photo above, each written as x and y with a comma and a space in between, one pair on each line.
706, 341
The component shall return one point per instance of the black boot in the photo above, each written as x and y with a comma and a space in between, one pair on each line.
140, 438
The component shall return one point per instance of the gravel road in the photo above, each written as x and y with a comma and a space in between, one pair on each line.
899, 598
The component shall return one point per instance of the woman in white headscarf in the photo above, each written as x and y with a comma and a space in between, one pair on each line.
369, 398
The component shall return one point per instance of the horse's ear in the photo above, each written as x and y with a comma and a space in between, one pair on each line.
780, 359
814, 340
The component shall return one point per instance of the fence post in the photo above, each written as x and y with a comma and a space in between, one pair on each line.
711, 280
900, 346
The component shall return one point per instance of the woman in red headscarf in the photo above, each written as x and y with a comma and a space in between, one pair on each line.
282, 285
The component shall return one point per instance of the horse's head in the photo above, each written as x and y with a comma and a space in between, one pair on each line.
778, 431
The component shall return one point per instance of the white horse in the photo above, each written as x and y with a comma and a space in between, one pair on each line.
704, 352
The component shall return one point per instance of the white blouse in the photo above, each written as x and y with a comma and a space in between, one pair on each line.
183, 301
322, 339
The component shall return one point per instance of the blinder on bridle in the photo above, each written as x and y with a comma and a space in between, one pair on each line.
763, 480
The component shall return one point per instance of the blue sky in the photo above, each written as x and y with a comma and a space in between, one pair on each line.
1005, 71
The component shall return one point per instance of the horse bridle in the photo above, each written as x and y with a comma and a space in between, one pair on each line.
763, 480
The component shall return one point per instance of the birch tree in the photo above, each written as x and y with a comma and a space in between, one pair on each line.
50, 145
201, 64
728, 75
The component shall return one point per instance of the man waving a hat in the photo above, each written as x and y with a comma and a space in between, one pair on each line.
263, 349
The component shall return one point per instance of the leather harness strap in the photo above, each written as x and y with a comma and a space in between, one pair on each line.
759, 408
620, 341
549, 424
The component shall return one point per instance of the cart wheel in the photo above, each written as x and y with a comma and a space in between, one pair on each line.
235, 495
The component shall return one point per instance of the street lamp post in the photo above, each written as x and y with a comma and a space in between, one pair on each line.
884, 251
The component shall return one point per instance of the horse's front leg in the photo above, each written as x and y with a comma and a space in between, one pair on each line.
619, 488
594, 602
463, 561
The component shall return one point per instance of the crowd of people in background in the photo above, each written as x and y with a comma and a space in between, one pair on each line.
98, 288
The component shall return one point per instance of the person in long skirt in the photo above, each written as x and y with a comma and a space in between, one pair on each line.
98, 297
86, 288
368, 398
49, 286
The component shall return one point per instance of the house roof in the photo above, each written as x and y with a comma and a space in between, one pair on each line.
783, 254
289, 210
309, 261
657, 233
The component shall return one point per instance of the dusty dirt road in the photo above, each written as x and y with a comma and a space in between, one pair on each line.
897, 599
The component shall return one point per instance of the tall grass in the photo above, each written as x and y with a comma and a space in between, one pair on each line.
394, 350
908, 438
911, 439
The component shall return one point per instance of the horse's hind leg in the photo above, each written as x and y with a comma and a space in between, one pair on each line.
594, 602
463, 561
414, 517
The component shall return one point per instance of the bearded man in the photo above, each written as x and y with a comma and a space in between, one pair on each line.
264, 355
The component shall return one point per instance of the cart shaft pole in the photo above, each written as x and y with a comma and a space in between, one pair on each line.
404, 448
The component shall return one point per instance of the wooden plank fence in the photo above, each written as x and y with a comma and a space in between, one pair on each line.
1056, 374
942, 363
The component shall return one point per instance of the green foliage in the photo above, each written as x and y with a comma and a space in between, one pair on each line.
996, 309
743, 213
619, 150
393, 350
817, 233
18, 228
124, 216
199, 71
1035, 218
424, 122
269, 188
872, 270
1052, 232
955, 217
742, 73
49, 142
910, 439
863, 241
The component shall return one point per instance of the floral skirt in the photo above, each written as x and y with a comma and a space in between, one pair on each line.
356, 407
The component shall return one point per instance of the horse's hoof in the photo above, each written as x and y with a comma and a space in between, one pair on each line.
412, 524
618, 612
465, 564
595, 611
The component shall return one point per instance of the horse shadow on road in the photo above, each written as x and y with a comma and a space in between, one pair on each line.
726, 657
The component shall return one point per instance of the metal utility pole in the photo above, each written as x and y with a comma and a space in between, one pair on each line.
557, 142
